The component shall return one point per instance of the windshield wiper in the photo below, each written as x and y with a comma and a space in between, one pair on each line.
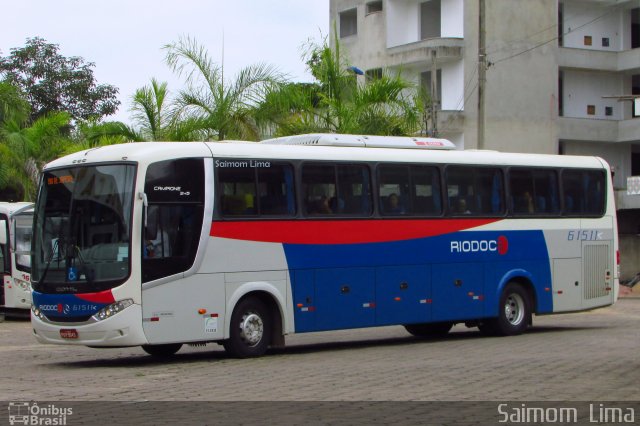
54, 251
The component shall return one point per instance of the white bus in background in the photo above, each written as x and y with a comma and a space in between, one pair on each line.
164, 244
16, 221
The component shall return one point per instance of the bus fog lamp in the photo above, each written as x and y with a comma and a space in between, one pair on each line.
111, 310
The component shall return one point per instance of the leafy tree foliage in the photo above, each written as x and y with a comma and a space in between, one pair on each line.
337, 103
54, 83
225, 109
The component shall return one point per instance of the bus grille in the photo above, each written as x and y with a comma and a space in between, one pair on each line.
596, 266
83, 318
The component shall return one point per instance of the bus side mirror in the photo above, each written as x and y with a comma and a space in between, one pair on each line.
3, 232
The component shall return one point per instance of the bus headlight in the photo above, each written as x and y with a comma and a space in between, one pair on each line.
111, 310
23, 285
37, 312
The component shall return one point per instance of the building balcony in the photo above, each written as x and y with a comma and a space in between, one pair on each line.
599, 60
419, 53
590, 130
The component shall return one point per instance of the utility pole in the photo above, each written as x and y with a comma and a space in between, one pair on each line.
482, 72
434, 95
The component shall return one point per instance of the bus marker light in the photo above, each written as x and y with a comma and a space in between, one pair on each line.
155, 319
560, 291
425, 301
608, 289
202, 311
299, 305
214, 315
69, 333
397, 299
547, 289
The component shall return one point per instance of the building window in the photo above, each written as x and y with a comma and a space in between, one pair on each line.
373, 74
608, 111
430, 20
605, 41
374, 6
348, 23
591, 110
588, 41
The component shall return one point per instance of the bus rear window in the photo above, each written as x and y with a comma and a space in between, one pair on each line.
584, 192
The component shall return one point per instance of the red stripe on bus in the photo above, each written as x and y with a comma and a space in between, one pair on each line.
340, 231
105, 297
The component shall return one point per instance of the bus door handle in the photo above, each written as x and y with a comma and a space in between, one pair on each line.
344, 289
404, 285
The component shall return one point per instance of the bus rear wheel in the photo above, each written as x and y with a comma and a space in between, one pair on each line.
514, 313
250, 332
162, 351
435, 329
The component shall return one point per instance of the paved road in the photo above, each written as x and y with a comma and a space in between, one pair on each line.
585, 356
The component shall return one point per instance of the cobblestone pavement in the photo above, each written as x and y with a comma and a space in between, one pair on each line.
592, 356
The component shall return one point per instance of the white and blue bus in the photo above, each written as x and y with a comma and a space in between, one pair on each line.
16, 220
164, 244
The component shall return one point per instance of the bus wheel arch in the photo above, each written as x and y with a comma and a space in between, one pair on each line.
255, 324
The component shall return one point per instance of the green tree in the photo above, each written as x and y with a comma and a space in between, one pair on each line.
222, 108
30, 148
159, 119
54, 83
94, 133
337, 103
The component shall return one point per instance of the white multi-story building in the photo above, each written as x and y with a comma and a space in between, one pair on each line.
560, 76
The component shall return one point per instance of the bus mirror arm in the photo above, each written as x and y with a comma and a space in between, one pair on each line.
3, 232
145, 203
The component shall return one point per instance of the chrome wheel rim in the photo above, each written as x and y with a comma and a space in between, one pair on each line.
514, 309
251, 328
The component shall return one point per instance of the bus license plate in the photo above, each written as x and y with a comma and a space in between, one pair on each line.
69, 333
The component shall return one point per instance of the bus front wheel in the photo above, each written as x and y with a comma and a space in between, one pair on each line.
250, 332
162, 351
514, 313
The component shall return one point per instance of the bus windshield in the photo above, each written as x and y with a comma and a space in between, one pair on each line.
82, 232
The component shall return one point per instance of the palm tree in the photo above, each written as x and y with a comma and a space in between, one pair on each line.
32, 147
159, 119
148, 107
336, 103
222, 108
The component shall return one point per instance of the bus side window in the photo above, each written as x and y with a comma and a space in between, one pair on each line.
475, 190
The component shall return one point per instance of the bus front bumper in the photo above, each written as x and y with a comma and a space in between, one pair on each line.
122, 329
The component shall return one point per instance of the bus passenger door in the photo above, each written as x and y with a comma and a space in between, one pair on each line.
458, 291
403, 295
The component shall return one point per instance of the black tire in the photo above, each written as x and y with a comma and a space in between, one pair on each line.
514, 313
251, 328
435, 329
162, 351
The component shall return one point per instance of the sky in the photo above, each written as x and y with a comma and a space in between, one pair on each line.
125, 38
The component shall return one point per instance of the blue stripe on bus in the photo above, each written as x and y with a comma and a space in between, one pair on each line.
452, 277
